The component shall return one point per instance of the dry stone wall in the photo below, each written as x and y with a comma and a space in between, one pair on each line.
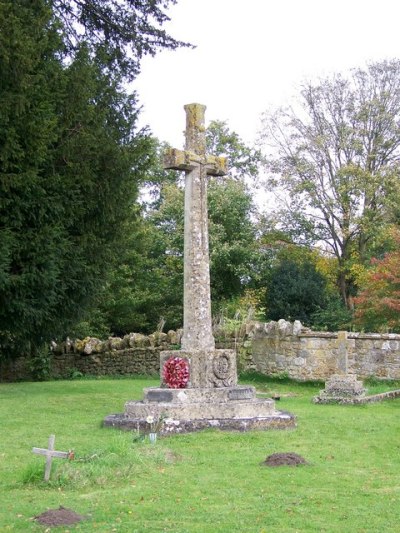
283, 348
134, 354
275, 349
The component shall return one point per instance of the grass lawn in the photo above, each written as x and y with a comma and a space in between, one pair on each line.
205, 482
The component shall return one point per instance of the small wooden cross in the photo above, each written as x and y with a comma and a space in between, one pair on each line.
49, 453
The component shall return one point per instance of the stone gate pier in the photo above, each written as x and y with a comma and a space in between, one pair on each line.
199, 386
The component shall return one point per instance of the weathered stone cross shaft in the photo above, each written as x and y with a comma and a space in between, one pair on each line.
197, 324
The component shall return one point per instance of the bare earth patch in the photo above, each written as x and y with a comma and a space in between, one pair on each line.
59, 517
282, 459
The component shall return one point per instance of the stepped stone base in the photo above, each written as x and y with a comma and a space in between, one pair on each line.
341, 389
185, 410
212, 399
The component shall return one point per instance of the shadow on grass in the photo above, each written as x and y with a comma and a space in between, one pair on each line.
376, 382
262, 380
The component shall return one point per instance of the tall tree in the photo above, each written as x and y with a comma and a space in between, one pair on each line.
244, 161
336, 161
295, 291
233, 249
117, 32
70, 164
30, 231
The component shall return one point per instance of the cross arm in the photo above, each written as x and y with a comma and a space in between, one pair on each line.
180, 160
216, 165
185, 160
53, 453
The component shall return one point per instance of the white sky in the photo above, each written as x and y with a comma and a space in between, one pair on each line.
253, 54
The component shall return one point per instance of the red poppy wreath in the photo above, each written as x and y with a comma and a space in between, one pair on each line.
176, 372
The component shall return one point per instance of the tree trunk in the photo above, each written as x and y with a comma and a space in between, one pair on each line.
343, 286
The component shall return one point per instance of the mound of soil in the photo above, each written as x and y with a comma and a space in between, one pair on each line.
59, 517
281, 459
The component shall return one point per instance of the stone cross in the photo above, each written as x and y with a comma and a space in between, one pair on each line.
49, 453
342, 356
197, 325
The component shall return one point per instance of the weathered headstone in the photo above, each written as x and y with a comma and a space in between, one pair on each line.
202, 380
49, 453
341, 387
342, 355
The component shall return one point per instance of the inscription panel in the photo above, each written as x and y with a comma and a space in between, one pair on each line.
159, 396
241, 394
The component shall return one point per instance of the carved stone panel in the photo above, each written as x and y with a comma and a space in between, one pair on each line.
222, 369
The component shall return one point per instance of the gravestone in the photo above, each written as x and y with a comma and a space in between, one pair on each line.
199, 386
341, 387
50, 453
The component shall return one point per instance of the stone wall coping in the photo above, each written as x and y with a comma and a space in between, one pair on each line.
383, 336
318, 335
118, 352
350, 335
258, 330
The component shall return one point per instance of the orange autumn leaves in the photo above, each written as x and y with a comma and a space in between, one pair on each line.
378, 302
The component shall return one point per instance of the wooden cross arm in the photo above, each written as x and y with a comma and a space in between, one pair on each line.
52, 453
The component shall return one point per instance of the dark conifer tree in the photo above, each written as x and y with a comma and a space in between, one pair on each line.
70, 158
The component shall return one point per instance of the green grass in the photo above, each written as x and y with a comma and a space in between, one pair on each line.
205, 482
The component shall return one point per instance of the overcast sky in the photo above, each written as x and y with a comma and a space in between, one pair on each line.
252, 54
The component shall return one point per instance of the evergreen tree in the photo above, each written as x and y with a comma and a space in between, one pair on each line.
30, 213
117, 33
295, 291
70, 163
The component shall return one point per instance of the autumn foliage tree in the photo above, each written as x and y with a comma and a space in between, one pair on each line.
378, 303
334, 162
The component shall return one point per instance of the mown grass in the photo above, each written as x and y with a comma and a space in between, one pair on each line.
205, 482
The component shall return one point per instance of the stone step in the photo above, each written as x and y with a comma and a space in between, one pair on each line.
199, 410
277, 420
195, 395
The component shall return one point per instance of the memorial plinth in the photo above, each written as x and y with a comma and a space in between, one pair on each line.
341, 387
199, 382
